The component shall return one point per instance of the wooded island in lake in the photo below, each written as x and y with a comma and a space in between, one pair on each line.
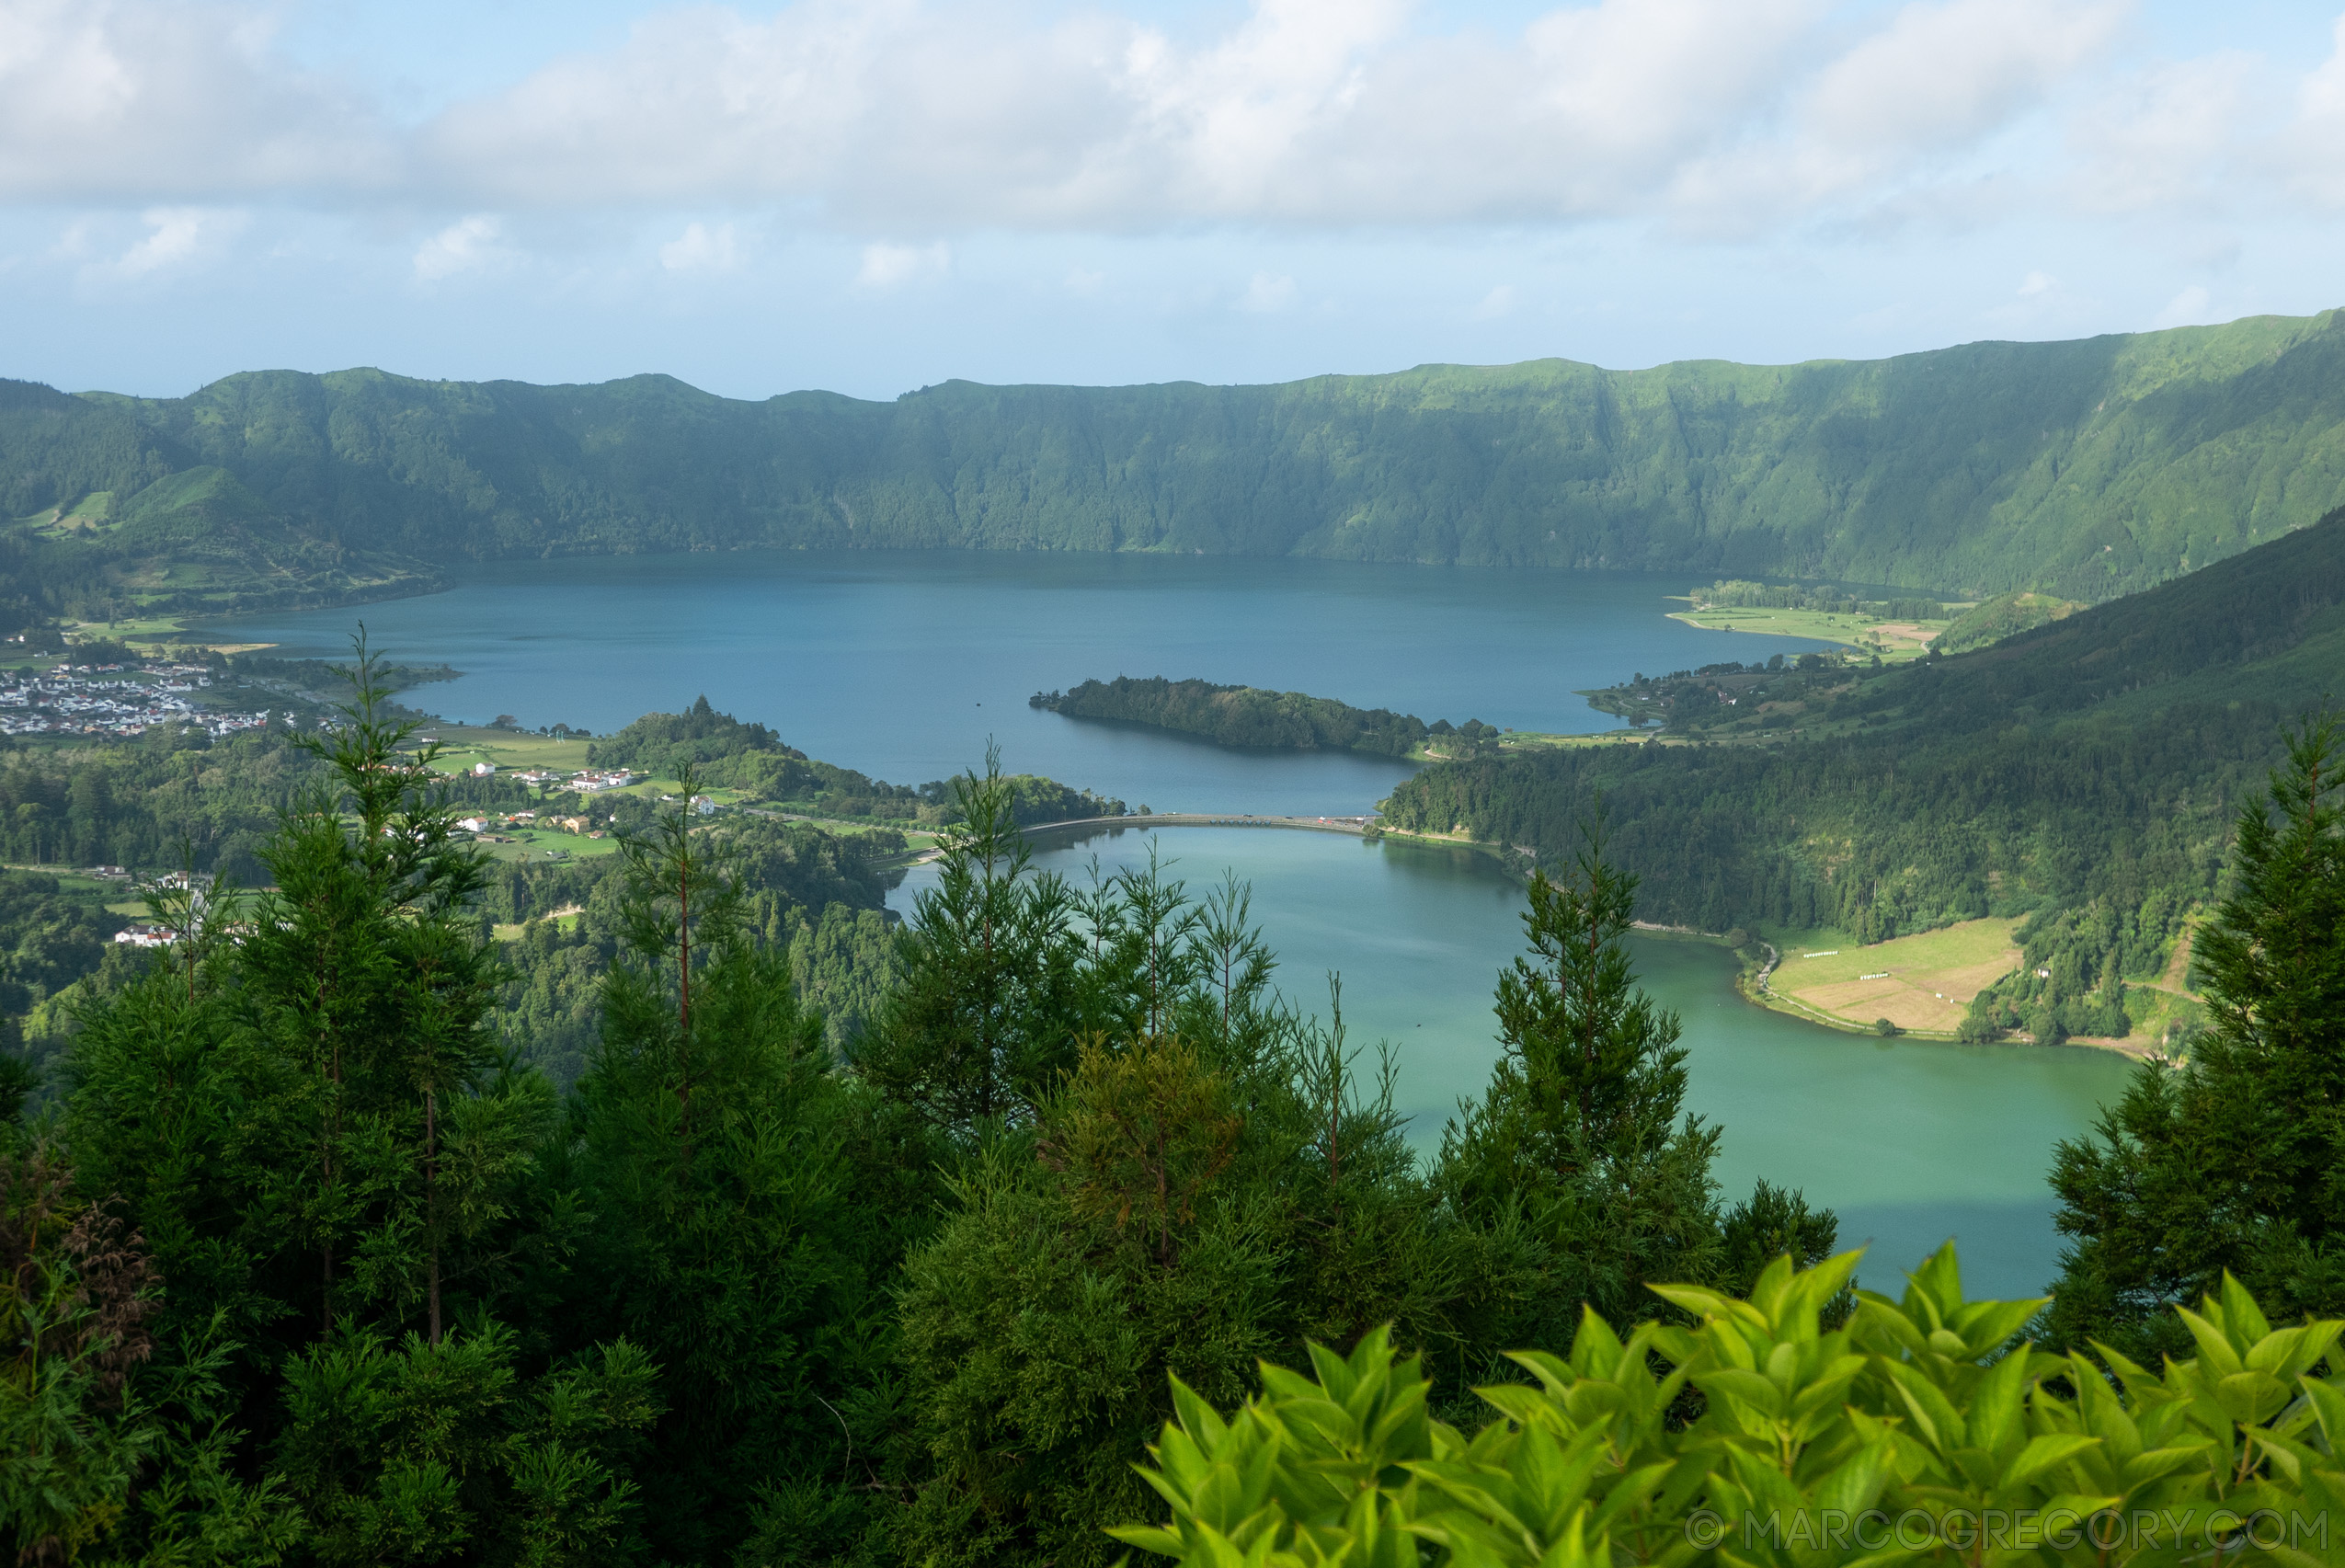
1248, 716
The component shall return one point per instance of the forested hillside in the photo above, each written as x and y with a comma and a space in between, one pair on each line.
729, 754
2084, 468
2090, 768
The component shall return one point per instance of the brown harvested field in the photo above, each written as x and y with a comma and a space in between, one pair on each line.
1904, 632
1923, 982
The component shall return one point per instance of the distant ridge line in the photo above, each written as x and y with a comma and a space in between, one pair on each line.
2083, 469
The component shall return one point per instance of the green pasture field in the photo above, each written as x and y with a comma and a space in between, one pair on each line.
1894, 641
510, 749
1535, 740
510, 931
541, 845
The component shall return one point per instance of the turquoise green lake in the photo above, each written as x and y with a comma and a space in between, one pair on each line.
1910, 1141
903, 665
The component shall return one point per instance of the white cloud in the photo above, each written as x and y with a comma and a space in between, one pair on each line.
2188, 308
1723, 117
2312, 149
178, 234
469, 245
2036, 284
2173, 138
1952, 71
129, 100
1083, 283
1495, 304
1267, 294
703, 249
177, 238
893, 266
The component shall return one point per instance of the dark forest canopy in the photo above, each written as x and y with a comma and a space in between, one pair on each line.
2083, 468
2092, 765
1248, 716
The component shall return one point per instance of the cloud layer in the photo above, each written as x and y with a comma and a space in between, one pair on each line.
915, 121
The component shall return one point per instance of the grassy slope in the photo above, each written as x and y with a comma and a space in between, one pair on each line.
2083, 468
1892, 641
2004, 615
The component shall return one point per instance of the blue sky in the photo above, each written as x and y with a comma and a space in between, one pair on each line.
876, 196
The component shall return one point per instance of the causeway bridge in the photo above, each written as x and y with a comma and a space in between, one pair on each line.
1354, 825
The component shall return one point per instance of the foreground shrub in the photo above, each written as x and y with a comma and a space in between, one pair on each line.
1919, 1430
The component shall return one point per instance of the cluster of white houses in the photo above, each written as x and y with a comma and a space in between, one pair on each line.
110, 699
592, 781
490, 823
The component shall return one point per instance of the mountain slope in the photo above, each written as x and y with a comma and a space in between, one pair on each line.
2086, 468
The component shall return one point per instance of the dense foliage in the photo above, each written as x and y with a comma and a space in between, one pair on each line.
174, 800
1246, 715
819, 896
2073, 963
2083, 468
1168, 1170
347, 1278
1781, 1431
1737, 594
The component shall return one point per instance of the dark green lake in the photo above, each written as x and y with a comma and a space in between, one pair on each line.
903, 666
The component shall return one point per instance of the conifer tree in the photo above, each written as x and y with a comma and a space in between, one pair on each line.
365, 967
2234, 1159
303, 1124
1578, 1147
990, 998
1579, 1172
711, 1146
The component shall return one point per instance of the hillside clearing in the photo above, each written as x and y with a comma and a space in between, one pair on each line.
1923, 983
1894, 641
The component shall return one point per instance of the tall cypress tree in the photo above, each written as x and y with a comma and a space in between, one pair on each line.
309, 1124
